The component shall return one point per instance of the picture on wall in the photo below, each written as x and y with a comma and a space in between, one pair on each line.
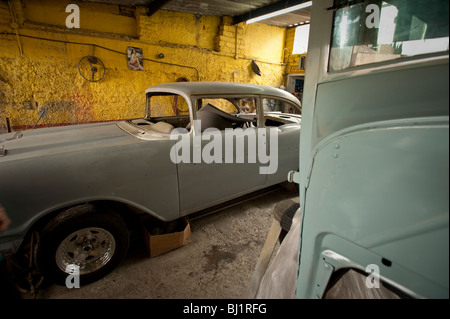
135, 59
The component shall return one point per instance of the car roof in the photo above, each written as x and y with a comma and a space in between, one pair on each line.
220, 88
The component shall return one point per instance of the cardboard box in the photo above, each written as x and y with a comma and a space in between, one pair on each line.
162, 237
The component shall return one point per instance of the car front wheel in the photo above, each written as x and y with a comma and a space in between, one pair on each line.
82, 239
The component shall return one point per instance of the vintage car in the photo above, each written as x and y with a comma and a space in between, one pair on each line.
78, 189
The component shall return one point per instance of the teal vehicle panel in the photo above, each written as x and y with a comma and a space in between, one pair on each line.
394, 94
371, 186
374, 152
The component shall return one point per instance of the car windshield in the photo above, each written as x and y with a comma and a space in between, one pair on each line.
166, 105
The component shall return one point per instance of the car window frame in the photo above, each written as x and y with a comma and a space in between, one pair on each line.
281, 99
406, 61
258, 108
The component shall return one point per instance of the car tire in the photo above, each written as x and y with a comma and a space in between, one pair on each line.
96, 242
288, 215
291, 187
286, 220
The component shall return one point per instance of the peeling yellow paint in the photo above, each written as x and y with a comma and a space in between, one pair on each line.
46, 75
292, 60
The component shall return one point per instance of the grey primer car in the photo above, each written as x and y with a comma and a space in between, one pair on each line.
79, 189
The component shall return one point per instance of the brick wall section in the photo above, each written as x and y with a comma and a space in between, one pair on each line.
290, 36
5, 17
292, 59
229, 39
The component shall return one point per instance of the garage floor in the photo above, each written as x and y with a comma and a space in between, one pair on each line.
218, 263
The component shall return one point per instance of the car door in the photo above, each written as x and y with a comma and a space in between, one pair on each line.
281, 118
224, 160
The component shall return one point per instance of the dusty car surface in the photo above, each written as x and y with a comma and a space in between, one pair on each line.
373, 220
79, 188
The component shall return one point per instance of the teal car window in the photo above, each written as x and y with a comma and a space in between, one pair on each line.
366, 32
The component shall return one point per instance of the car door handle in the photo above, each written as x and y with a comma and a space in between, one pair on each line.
293, 177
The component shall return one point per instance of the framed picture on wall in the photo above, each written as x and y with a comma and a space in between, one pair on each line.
135, 59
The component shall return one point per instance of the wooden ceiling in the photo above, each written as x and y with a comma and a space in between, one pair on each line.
290, 19
240, 10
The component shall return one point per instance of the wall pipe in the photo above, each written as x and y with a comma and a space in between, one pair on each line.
105, 48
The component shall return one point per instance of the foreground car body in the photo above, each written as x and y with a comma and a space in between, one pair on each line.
48, 176
374, 153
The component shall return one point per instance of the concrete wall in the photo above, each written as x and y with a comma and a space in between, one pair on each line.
39, 56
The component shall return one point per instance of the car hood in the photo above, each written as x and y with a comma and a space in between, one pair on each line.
48, 141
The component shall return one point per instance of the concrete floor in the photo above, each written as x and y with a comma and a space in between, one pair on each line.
218, 263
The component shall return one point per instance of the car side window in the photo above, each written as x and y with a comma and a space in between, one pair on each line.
281, 106
248, 105
220, 103
366, 32
275, 110
225, 112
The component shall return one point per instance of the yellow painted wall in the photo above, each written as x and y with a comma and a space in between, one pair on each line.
95, 16
292, 60
36, 72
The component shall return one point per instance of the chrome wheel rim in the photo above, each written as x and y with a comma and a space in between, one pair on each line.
89, 248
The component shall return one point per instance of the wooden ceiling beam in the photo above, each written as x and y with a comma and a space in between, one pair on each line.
155, 5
